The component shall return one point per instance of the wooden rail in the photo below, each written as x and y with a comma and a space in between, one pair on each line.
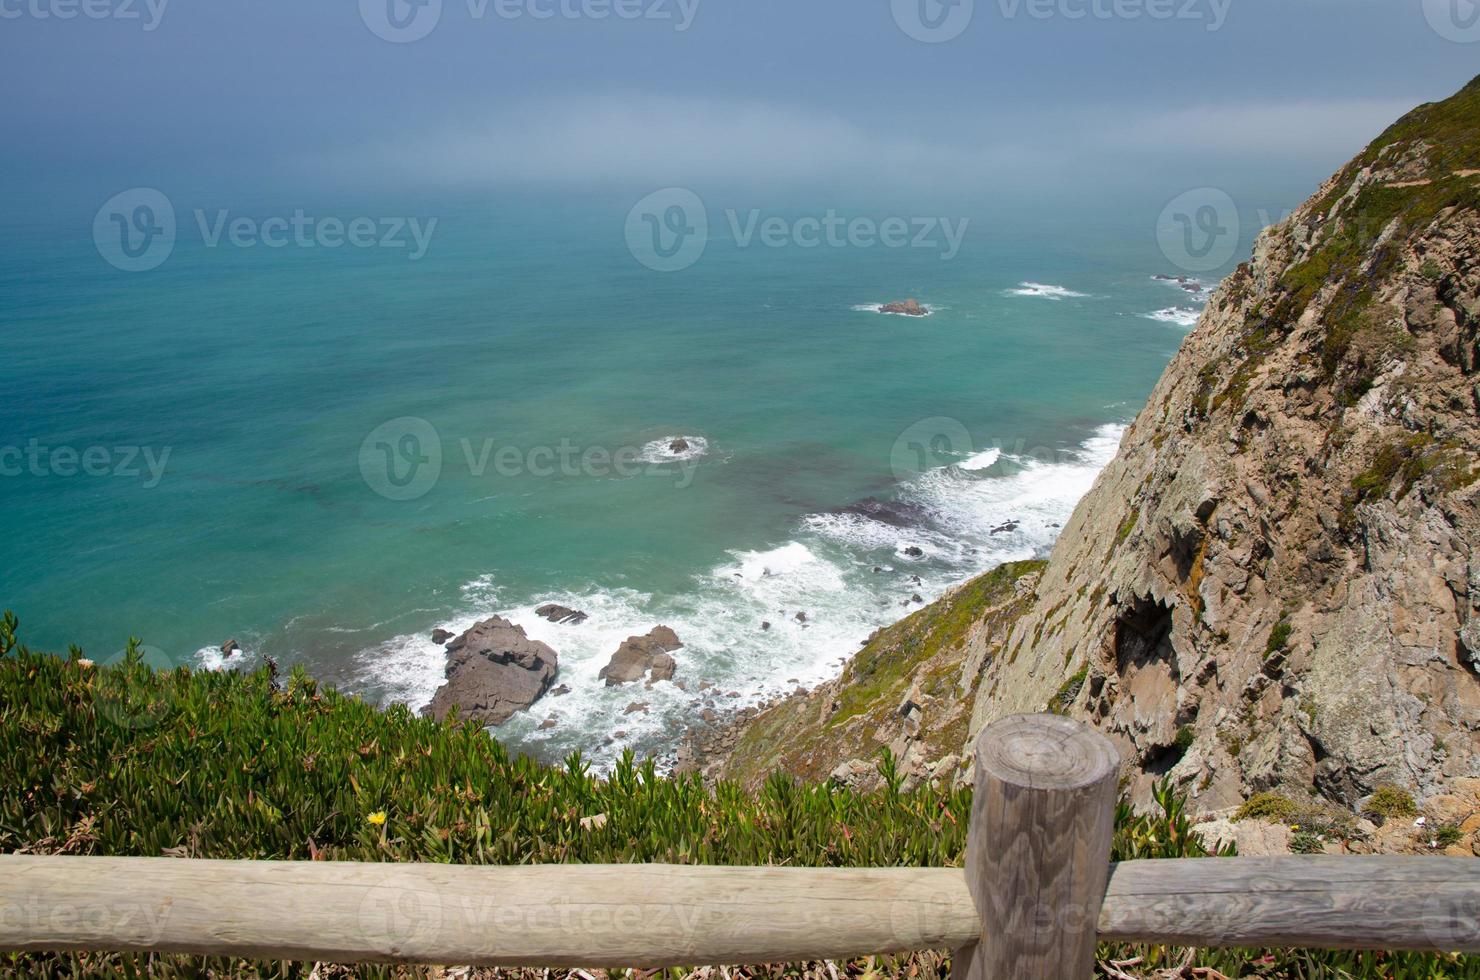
1037, 892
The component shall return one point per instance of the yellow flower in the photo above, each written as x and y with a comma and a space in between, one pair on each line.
377, 818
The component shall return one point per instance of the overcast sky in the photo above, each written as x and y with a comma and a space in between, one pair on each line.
893, 93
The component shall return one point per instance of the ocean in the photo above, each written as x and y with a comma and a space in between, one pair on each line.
324, 451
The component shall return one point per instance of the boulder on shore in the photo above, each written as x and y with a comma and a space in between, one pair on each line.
639, 655
563, 615
493, 672
441, 636
907, 307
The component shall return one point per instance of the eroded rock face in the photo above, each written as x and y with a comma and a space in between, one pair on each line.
639, 655
1275, 583
493, 672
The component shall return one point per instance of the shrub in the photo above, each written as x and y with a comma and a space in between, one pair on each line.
1279, 637
1307, 842
1391, 801
1268, 806
1068, 691
1447, 835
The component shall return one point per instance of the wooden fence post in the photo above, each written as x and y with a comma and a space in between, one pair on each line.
1038, 849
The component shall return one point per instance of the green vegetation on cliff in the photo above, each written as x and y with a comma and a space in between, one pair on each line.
122, 760
809, 736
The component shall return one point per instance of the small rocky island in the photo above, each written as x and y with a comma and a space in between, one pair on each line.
639, 655
907, 307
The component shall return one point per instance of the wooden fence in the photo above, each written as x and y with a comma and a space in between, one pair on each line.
1036, 893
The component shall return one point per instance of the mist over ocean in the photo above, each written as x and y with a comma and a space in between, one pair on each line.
326, 452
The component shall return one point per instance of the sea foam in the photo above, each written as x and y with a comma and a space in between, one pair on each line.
1044, 291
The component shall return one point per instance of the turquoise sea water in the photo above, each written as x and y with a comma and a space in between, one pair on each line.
277, 380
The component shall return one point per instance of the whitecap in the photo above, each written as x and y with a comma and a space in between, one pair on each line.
1044, 291
1182, 316
982, 460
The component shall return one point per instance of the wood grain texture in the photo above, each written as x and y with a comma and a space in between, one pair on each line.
1038, 850
1323, 901
663, 915
562, 915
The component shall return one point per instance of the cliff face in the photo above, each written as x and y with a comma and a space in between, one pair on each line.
1275, 583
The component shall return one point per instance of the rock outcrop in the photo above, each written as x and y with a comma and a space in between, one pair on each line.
1275, 584
493, 672
907, 307
564, 615
639, 655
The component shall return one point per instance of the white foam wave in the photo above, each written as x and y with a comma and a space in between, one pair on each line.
1182, 316
982, 460
1044, 291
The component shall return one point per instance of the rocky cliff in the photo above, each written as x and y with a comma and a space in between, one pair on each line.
1275, 583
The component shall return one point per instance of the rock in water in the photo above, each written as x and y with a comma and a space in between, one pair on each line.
441, 636
230, 647
563, 615
679, 445
640, 654
908, 307
493, 672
